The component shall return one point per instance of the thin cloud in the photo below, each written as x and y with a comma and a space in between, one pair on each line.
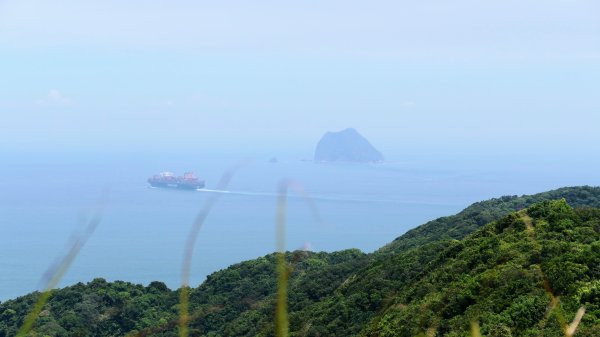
54, 97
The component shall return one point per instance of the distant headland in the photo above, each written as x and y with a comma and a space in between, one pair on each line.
346, 146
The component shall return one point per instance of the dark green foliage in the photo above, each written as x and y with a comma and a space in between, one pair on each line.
497, 280
235, 301
473, 217
440, 277
240, 299
98, 308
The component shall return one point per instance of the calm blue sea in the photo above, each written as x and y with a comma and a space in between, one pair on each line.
45, 199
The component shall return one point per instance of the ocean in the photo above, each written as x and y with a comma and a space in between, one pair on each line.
46, 200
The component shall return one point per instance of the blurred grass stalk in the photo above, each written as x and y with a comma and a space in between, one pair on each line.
475, 330
569, 329
572, 328
56, 272
281, 311
283, 268
184, 294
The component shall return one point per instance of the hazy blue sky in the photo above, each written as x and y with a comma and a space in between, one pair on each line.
511, 75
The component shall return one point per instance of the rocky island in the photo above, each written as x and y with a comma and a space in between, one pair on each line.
346, 146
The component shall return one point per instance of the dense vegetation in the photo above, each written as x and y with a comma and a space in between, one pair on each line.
525, 275
101, 308
522, 273
478, 214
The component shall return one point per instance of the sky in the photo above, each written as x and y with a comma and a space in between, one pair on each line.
275, 75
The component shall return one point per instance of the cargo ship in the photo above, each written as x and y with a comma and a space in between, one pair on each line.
189, 181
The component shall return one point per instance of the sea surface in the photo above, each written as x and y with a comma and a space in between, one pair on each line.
46, 201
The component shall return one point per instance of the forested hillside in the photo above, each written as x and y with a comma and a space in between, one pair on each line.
523, 273
483, 212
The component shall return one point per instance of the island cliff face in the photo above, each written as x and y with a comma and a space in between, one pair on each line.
346, 146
